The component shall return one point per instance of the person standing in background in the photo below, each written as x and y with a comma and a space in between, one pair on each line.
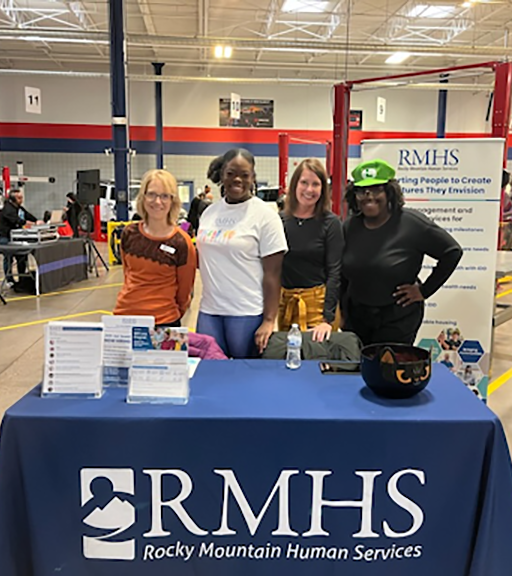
505, 240
241, 243
12, 217
198, 205
193, 213
159, 259
72, 210
207, 200
383, 252
310, 276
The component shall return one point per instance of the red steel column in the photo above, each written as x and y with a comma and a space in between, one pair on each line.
340, 146
328, 158
6, 177
501, 111
501, 116
284, 144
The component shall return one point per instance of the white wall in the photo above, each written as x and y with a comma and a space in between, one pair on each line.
64, 100
87, 101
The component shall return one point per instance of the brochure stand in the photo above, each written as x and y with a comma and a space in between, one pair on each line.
73, 360
159, 371
117, 347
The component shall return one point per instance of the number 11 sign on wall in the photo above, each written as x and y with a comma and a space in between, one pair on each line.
32, 100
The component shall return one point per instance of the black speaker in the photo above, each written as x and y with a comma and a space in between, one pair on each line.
88, 187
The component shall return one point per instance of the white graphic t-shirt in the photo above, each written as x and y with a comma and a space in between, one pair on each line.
231, 241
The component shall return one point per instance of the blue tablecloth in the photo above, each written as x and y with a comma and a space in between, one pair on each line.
266, 471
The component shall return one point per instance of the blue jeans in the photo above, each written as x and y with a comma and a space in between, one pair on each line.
234, 334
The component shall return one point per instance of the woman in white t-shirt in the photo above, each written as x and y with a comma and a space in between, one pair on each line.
241, 244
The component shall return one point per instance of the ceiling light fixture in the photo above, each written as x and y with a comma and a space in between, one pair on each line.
398, 57
431, 11
57, 39
223, 51
305, 6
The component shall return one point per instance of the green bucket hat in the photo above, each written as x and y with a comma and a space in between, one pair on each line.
373, 173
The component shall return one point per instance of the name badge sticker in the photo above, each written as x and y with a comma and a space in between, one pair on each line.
168, 249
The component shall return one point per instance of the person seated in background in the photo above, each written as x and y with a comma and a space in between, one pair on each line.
383, 252
241, 243
12, 217
310, 277
159, 259
71, 212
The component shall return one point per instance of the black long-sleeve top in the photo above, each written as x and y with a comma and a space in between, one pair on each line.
314, 256
376, 261
13, 217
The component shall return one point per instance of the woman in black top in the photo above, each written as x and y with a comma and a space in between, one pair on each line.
384, 247
310, 276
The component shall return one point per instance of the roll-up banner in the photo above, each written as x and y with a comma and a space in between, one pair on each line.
456, 183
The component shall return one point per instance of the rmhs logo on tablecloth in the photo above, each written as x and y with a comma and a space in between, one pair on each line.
108, 512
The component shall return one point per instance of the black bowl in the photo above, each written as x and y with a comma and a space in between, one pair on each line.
395, 370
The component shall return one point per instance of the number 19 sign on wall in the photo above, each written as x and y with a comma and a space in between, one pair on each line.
457, 184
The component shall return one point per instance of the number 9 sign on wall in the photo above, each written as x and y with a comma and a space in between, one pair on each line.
32, 100
457, 184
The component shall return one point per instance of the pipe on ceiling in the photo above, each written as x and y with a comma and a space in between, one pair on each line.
307, 46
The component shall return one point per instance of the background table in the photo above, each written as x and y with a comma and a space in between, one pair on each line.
256, 419
57, 263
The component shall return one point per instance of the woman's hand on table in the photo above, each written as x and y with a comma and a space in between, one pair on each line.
408, 294
321, 332
263, 334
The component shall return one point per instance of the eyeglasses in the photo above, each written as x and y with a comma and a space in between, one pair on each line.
153, 196
374, 191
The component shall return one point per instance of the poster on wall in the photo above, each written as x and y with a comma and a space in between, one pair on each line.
356, 120
253, 113
456, 183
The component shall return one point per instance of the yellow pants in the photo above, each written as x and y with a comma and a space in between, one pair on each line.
302, 306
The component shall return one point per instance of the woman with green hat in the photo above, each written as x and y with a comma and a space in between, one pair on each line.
384, 248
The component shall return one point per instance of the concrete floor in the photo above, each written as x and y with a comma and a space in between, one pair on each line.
22, 321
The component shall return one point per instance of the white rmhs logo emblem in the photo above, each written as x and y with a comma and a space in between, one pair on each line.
369, 173
108, 512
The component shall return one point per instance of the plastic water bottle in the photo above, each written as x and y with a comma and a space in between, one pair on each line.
293, 346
